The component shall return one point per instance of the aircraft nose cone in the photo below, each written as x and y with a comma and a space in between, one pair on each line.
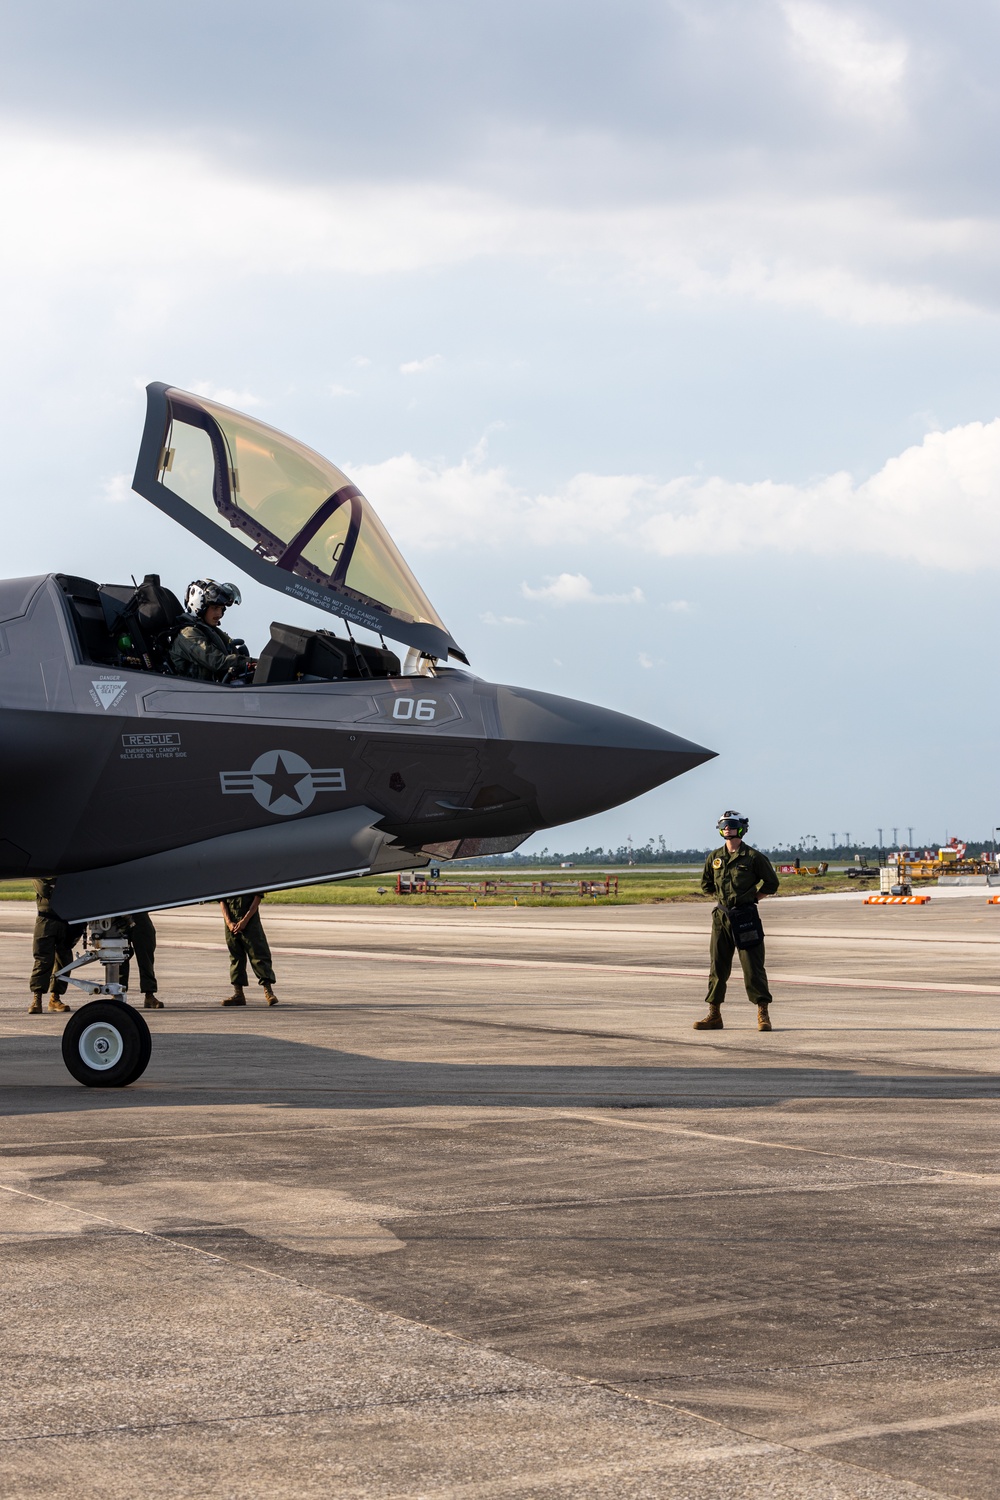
583, 759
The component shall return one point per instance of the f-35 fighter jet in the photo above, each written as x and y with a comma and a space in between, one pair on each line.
141, 789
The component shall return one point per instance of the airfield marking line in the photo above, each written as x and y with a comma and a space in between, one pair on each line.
788, 1445
878, 1429
657, 933
668, 1455
646, 971
211, 1135
821, 1061
474, 926
746, 1140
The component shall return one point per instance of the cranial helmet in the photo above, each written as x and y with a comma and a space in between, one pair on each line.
735, 820
205, 591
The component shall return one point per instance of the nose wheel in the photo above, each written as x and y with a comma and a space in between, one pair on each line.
106, 1044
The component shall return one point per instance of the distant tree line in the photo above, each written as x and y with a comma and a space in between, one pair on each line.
655, 852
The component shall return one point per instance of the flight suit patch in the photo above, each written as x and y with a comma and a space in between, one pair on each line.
716, 864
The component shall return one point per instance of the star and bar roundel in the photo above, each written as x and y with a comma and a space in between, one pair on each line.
282, 782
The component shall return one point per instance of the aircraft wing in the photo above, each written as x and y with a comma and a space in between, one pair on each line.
324, 847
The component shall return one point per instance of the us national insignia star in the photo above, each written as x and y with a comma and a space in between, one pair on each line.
283, 782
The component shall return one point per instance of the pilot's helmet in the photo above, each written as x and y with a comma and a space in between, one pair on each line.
735, 820
205, 591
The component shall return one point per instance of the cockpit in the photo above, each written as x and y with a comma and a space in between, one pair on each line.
131, 626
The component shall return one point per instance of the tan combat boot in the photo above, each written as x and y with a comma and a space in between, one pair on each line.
270, 996
35, 1008
236, 998
56, 1004
712, 1022
150, 1002
763, 1019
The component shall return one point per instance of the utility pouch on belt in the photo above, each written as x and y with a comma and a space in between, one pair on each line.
746, 925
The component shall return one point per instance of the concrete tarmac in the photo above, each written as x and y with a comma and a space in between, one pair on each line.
475, 1213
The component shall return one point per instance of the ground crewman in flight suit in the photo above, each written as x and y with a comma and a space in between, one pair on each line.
736, 876
245, 940
142, 936
200, 649
51, 948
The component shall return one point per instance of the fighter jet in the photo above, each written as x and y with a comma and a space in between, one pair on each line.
140, 789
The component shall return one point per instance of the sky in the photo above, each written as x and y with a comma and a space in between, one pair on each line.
662, 334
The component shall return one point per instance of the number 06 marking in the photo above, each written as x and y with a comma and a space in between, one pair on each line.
415, 708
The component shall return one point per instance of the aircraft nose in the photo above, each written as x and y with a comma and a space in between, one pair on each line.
583, 759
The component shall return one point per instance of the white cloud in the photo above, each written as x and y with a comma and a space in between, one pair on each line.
851, 254
574, 588
431, 505
118, 488
421, 366
936, 504
646, 661
342, 390
489, 618
863, 70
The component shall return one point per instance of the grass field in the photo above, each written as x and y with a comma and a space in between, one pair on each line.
635, 887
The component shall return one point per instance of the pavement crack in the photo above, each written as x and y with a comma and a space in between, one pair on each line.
624, 1200
340, 1408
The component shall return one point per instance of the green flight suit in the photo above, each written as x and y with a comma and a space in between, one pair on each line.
736, 880
249, 944
52, 942
204, 652
142, 936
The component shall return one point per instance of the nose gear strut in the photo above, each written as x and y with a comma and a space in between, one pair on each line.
107, 944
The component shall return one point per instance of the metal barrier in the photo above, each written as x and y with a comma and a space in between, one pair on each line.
417, 883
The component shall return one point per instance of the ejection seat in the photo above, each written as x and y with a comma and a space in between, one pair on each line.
142, 620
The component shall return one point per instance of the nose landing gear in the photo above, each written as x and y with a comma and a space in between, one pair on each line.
105, 1044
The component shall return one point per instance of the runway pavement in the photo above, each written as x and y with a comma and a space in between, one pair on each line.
475, 1213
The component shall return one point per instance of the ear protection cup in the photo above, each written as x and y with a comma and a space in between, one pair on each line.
205, 591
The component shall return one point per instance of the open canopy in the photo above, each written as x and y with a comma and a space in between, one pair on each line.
283, 514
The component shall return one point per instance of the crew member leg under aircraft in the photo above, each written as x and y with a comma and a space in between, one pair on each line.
245, 940
142, 936
200, 649
51, 948
737, 876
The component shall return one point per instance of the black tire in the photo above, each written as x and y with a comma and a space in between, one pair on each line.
106, 1044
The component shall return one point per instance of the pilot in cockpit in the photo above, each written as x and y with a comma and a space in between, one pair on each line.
200, 649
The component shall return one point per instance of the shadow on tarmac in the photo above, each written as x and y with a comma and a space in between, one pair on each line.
186, 1069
